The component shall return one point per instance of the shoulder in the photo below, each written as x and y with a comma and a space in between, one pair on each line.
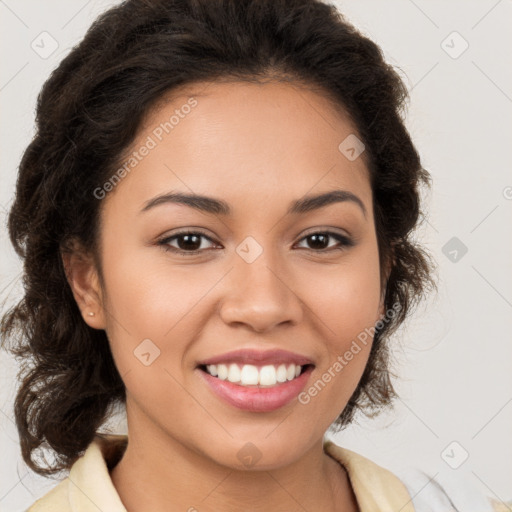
377, 488
89, 483
56, 499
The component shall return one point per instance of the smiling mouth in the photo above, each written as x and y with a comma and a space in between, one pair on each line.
248, 375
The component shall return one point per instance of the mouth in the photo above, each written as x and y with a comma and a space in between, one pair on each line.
255, 380
256, 376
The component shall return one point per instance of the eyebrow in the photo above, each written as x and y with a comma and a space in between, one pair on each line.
220, 207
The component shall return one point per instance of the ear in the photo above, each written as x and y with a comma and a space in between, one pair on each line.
82, 276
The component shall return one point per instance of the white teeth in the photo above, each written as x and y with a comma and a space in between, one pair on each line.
281, 373
222, 370
268, 376
234, 373
250, 375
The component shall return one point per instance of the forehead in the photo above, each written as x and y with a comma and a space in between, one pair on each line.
239, 139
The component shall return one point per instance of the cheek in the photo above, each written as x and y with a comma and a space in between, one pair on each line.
148, 300
145, 293
346, 301
153, 318
346, 297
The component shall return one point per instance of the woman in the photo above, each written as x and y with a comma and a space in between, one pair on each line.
215, 217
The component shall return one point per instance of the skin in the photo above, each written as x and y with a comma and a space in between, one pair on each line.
258, 147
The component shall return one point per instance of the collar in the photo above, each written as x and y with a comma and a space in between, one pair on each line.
90, 486
375, 488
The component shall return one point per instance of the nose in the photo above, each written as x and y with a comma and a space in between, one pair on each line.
260, 296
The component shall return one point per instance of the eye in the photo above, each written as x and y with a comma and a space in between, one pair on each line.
189, 243
320, 241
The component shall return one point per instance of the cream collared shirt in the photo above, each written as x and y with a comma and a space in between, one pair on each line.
89, 488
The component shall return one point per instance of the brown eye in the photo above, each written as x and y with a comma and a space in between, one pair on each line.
320, 241
187, 242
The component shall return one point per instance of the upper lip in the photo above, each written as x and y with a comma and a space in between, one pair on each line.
258, 357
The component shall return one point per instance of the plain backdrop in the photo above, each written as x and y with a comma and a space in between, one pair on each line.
454, 415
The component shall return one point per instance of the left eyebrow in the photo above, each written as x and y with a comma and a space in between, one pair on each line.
309, 203
220, 207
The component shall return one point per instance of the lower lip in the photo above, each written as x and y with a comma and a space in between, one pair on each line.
256, 399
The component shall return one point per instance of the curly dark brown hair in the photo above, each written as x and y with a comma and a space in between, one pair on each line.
89, 112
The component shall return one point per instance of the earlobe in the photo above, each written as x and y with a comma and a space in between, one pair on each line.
82, 277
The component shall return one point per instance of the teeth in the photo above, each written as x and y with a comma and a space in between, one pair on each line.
222, 370
267, 376
234, 373
250, 375
281, 373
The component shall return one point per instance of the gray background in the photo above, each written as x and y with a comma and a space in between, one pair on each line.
454, 357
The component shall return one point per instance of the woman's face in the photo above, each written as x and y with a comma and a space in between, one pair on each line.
263, 277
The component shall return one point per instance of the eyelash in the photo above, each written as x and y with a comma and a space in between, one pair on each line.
344, 241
